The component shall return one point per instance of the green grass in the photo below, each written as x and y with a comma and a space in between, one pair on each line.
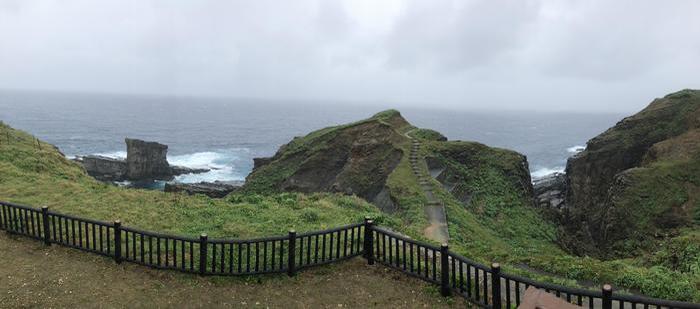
42, 176
427, 134
498, 224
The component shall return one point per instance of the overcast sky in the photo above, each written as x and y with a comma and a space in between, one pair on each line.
480, 54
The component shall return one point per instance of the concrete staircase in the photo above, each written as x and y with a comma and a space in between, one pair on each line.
434, 209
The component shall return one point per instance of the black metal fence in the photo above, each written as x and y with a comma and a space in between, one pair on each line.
483, 286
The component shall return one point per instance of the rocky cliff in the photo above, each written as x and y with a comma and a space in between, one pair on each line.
411, 172
637, 182
352, 159
144, 161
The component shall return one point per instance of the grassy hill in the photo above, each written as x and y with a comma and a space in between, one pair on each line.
638, 183
496, 223
36, 173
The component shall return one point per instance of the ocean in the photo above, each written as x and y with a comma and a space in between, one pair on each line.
226, 134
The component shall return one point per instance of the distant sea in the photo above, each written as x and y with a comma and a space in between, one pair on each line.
226, 134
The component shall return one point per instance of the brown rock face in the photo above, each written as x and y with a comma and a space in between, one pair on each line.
353, 159
147, 160
104, 169
611, 196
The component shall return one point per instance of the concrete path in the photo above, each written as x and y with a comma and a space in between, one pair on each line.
434, 209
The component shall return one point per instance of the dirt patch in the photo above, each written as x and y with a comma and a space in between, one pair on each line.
33, 275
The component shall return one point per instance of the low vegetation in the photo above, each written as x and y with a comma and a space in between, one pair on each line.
496, 223
35, 173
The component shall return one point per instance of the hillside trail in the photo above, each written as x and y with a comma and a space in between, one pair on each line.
434, 209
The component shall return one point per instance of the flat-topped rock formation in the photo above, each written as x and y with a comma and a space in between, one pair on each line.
144, 161
147, 160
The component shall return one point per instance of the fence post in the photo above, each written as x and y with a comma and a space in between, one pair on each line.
203, 254
369, 241
118, 241
45, 225
607, 296
444, 270
496, 285
291, 254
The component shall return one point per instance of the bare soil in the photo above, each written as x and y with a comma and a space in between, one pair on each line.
34, 275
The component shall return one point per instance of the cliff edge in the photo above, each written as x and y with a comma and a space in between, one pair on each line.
637, 182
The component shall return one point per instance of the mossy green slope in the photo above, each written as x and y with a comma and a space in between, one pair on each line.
497, 223
38, 174
638, 184
488, 200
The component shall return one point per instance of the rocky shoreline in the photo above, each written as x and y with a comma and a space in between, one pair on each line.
550, 191
114, 170
216, 189
144, 161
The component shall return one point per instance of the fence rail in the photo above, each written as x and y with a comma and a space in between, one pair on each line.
482, 285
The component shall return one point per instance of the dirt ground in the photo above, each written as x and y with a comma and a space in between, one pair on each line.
33, 275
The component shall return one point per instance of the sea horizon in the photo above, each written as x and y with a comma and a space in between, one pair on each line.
225, 134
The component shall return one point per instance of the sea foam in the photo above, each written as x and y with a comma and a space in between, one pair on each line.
113, 154
575, 149
545, 171
223, 164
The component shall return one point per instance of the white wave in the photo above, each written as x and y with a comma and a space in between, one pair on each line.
124, 183
114, 154
576, 149
224, 174
206, 159
222, 164
545, 171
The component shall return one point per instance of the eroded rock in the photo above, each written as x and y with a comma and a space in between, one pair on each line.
217, 189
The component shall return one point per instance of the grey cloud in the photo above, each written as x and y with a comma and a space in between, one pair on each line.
471, 54
455, 36
617, 40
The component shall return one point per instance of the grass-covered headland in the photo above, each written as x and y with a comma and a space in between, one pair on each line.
497, 222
